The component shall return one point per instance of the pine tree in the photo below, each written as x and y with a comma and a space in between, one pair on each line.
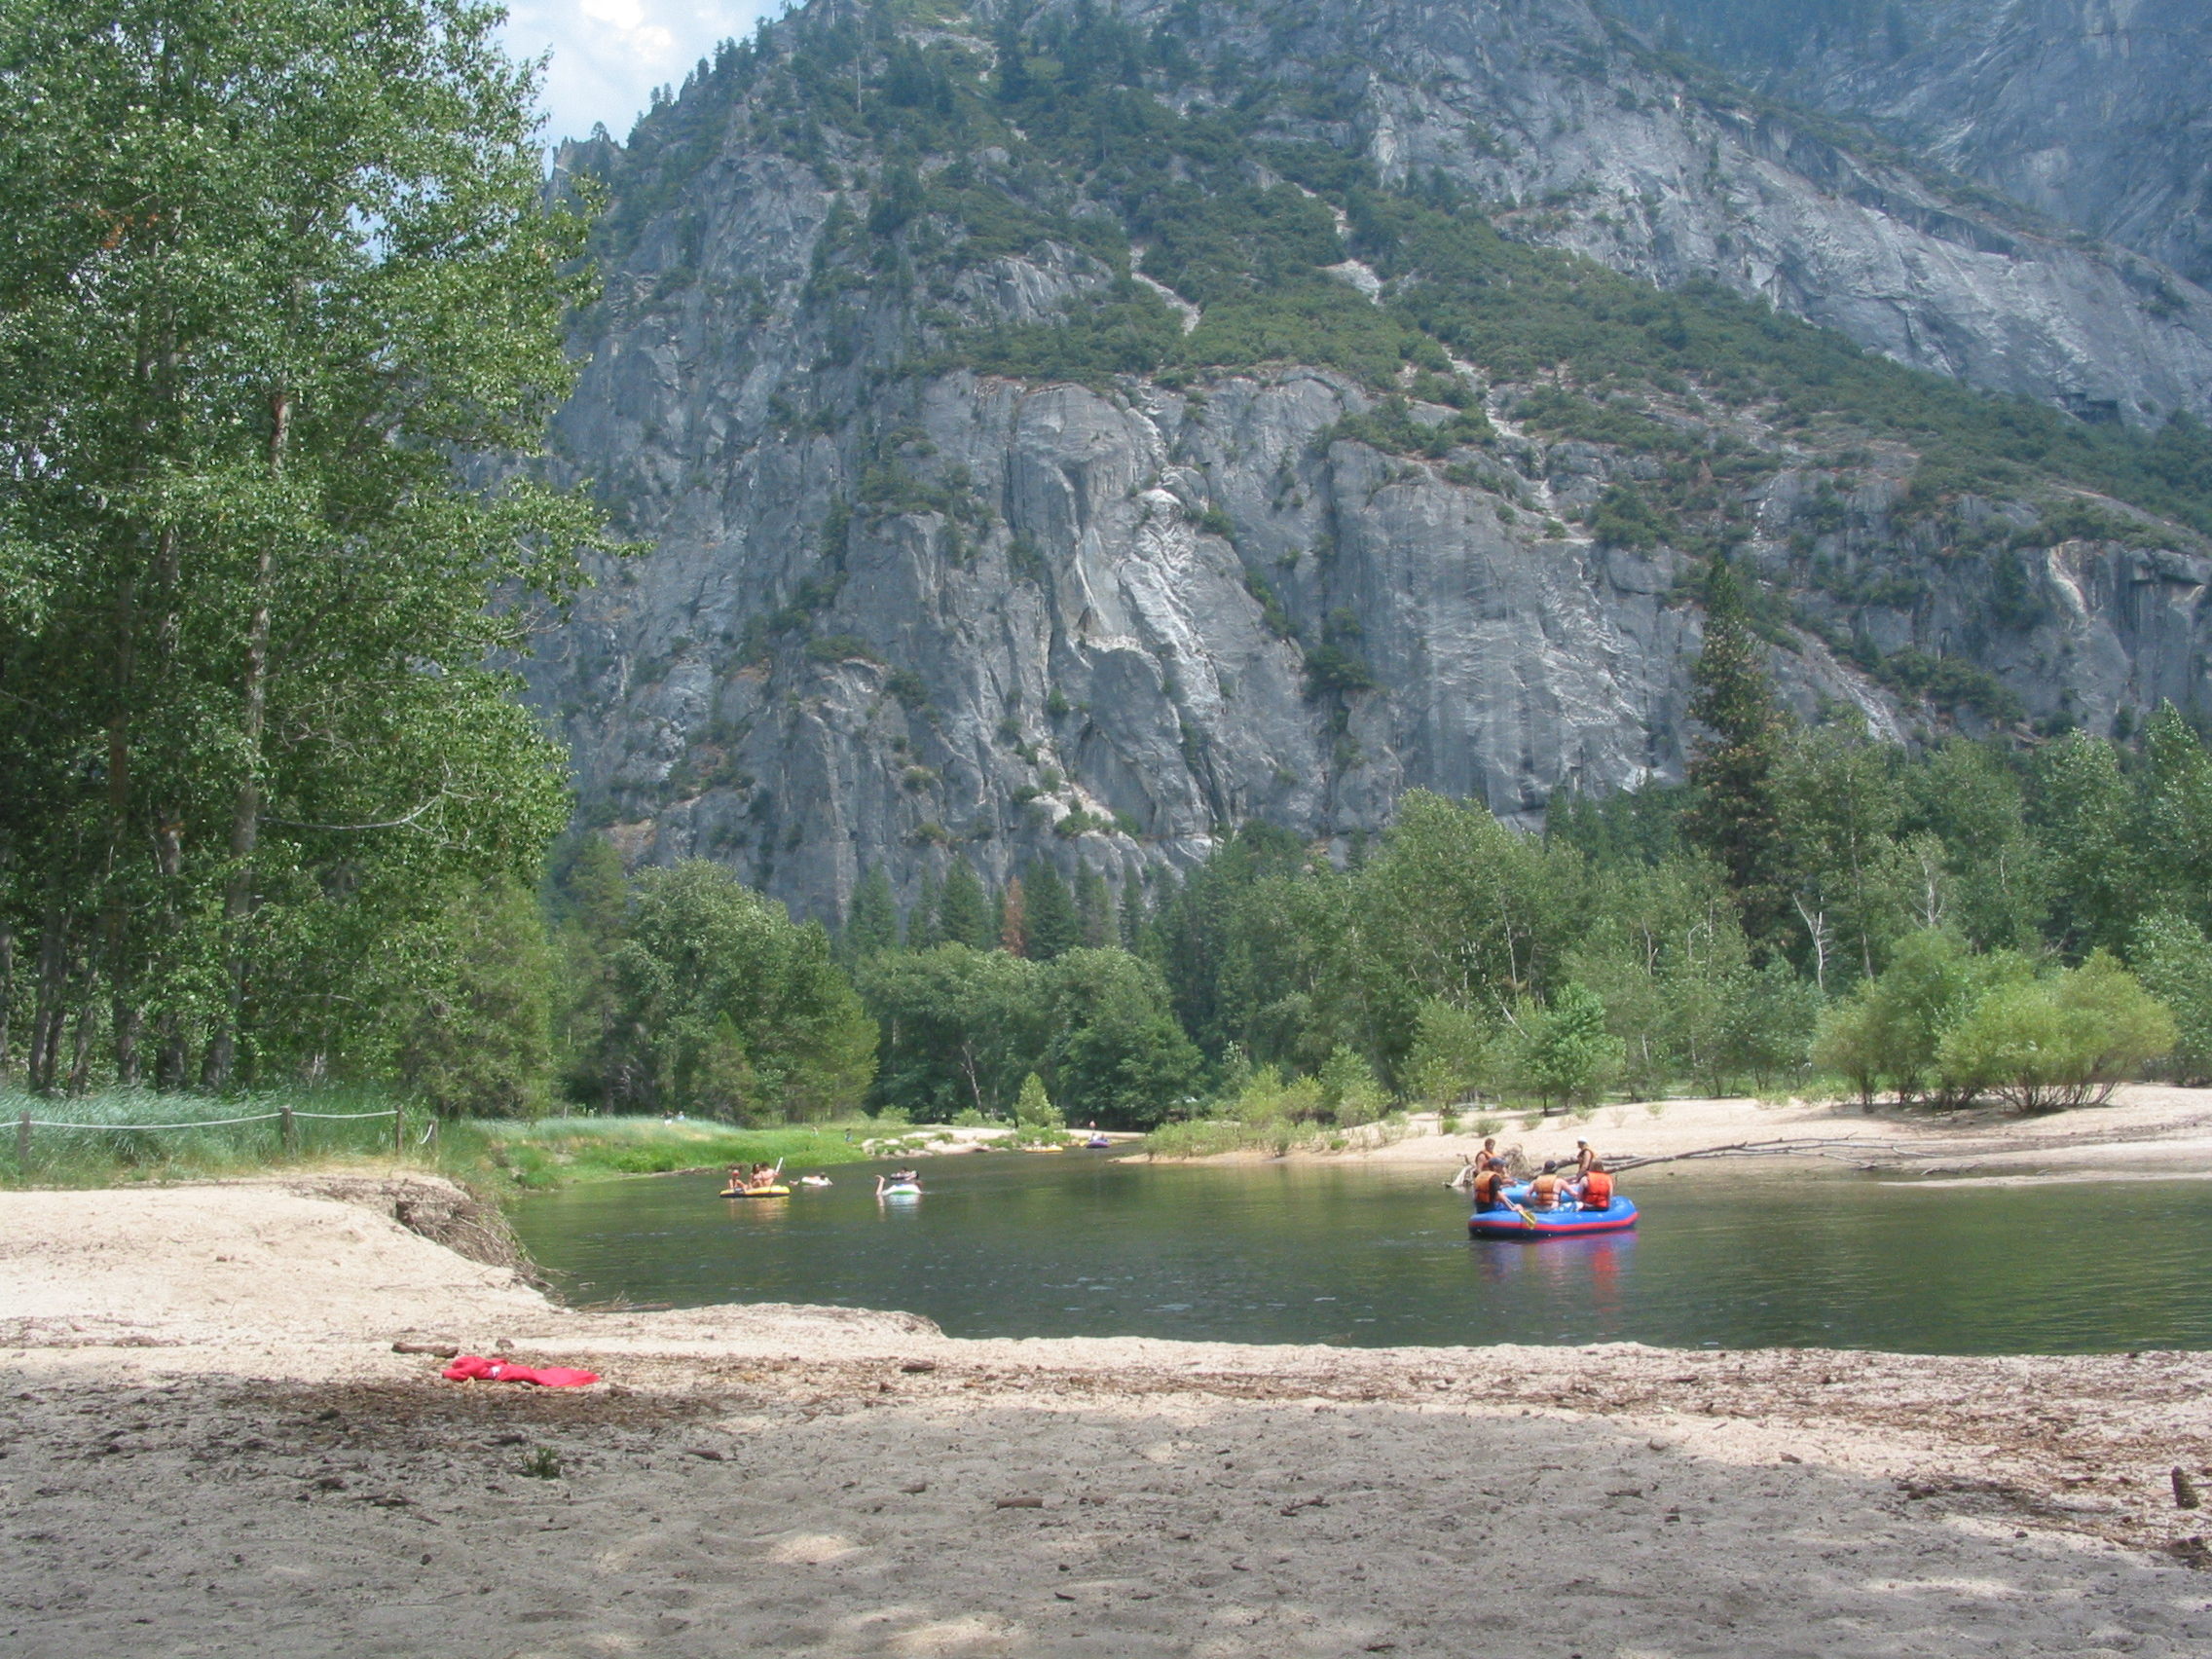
1735, 818
1050, 921
1013, 936
923, 926
964, 913
594, 888
1133, 917
1096, 906
872, 922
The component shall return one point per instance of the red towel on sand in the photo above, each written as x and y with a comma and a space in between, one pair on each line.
473, 1368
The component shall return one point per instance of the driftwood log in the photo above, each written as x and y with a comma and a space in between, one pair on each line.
1839, 1149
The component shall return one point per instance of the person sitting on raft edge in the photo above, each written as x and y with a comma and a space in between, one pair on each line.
1547, 1189
1489, 1188
1583, 1158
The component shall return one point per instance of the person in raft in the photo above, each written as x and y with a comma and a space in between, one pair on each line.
1487, 1157
1547, 1189
1595, 1190
1583, 1158
1489, 1188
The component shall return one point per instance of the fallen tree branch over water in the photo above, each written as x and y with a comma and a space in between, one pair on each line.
1765, 1149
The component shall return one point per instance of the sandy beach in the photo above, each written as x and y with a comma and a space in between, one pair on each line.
211, 1446
2144, 1126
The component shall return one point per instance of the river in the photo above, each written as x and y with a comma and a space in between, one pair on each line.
1085, 1244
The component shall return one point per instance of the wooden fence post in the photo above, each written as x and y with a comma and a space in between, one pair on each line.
291, 1130
23, 1149
398, 1131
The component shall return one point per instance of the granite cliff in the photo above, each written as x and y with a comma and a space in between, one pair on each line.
2095, 113
1052, 436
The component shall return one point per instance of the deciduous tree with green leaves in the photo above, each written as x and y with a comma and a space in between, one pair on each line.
280, 306
723, 1006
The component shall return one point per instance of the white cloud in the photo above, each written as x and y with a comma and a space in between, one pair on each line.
610, 54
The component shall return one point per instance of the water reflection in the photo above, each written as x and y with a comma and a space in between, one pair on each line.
1084, 1245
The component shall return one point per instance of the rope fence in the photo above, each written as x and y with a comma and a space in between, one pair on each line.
287, 1117
213, 1123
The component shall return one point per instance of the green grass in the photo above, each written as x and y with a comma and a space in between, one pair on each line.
130, 1141
534, 1155
1206, 1136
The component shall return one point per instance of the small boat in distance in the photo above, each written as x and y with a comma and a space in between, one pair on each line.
758, 1182
814, 1180
1097, 1143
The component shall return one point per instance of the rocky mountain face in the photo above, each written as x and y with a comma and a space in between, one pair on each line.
916, 588
2095, 113
1607, 151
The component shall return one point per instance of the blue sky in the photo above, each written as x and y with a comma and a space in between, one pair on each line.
608, 55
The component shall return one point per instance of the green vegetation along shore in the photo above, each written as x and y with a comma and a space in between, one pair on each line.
141, 1137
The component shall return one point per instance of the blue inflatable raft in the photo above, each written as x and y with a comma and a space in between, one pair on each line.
1568, 1221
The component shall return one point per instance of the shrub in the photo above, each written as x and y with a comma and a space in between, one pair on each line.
2045, 1045
1349, 1092
2174, 961
1891, 1028
1333, 670
1567, 1054
1267, 1099
1454, 1052
1037, 1120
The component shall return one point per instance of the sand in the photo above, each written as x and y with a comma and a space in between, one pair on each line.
2144, 1126
208, 1445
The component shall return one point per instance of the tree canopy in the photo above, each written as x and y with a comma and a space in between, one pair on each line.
280, 305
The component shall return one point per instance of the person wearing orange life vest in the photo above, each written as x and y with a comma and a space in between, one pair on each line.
1547, 1189
1597, 1191
1489, 1188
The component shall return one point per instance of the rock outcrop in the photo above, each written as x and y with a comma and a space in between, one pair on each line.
894, 614
2095, 113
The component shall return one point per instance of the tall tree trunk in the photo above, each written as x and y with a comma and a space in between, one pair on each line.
7, 991
172, 1059
53, 982
128, 1021
111, 960
246, 810
81, 1052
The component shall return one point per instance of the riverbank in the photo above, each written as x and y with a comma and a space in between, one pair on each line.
2144, 1126
134, 1137
212, 1443
131, 1138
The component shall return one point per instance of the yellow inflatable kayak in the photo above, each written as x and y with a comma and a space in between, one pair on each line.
754, 1193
